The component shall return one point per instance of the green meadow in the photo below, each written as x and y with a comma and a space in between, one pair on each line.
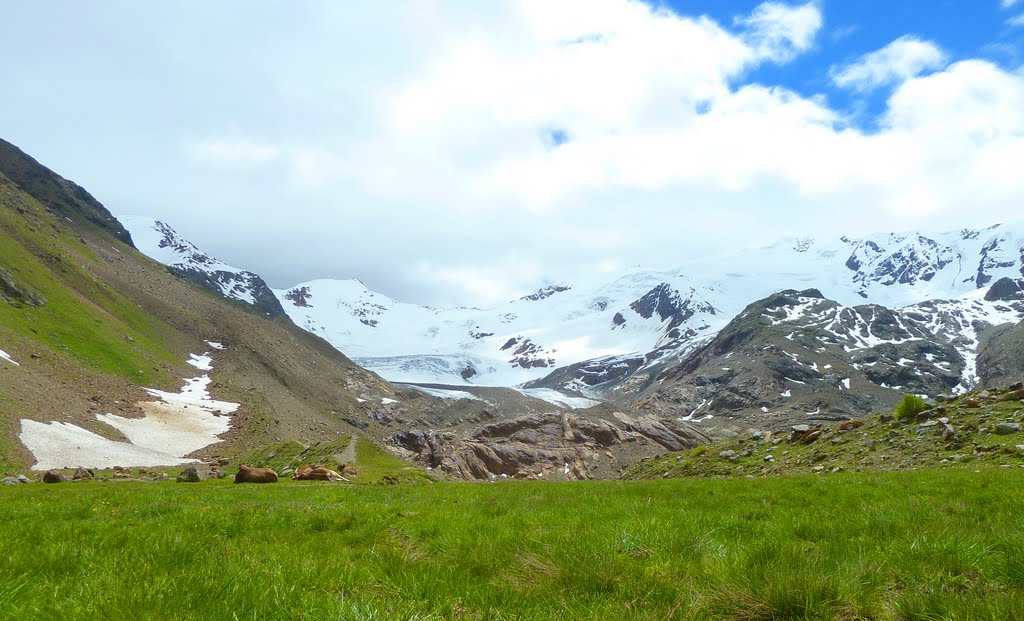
905, 545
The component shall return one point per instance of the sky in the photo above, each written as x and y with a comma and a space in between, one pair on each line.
463, 152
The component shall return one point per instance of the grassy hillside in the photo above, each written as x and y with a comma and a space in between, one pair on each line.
922, 545
981, 426
91, 321
55, 298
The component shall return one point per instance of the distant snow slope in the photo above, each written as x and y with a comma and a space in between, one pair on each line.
160, 242
509, 344
643, 315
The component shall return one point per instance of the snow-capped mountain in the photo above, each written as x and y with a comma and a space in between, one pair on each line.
160, 242
799, 357
642, 318
522, 340
592, 336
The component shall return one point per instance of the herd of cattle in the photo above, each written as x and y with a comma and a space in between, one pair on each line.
316, 472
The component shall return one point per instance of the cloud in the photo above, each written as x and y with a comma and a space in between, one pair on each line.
904, 58
1017, 21
497, 146
1008, 4
231, 151
780, 32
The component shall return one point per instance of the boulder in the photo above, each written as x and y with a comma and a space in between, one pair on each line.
189, 475
1005, 429
23, 479
82, 474
55, 476
10, 481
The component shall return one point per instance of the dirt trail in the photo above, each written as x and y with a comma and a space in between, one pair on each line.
348, 455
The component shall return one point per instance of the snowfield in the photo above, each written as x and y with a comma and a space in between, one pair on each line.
5, 356
172, 427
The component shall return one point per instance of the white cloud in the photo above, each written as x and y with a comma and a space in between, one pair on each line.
428, 171
1007, 4
779, 32
1017, 21
904, 58
232, 151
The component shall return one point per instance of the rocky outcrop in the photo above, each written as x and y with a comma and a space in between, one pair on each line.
1005, 290
553, 446
1001, 356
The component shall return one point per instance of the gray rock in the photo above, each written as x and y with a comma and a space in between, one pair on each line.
728, 454
887, 418
800, 428
757, 435
189, 475
81, 474
55, 476
10, 481
1005, 429
23, 479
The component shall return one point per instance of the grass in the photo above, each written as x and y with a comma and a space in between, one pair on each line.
80, 316
920, 545
374, 464
881, 443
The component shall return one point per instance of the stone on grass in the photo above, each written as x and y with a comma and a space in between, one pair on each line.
55, 476
189, 475
1005, 429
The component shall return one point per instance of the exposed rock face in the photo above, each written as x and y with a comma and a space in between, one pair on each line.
553, 446
185, 260
545, 293
1001, 356
902, 260
1006, 289
669, 304
12, 292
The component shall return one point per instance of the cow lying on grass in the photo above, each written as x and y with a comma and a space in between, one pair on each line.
316, 473
247, 474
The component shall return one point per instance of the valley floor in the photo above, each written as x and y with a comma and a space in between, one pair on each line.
928, 544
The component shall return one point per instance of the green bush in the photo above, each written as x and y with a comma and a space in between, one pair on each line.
910, 406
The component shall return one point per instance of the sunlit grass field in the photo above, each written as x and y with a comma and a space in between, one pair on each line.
915, 545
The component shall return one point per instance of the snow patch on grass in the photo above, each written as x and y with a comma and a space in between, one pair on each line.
174, 426
4, 355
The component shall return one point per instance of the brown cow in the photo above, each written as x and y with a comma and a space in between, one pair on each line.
247, 474
316, 473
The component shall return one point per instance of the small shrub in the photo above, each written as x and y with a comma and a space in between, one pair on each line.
910, 407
